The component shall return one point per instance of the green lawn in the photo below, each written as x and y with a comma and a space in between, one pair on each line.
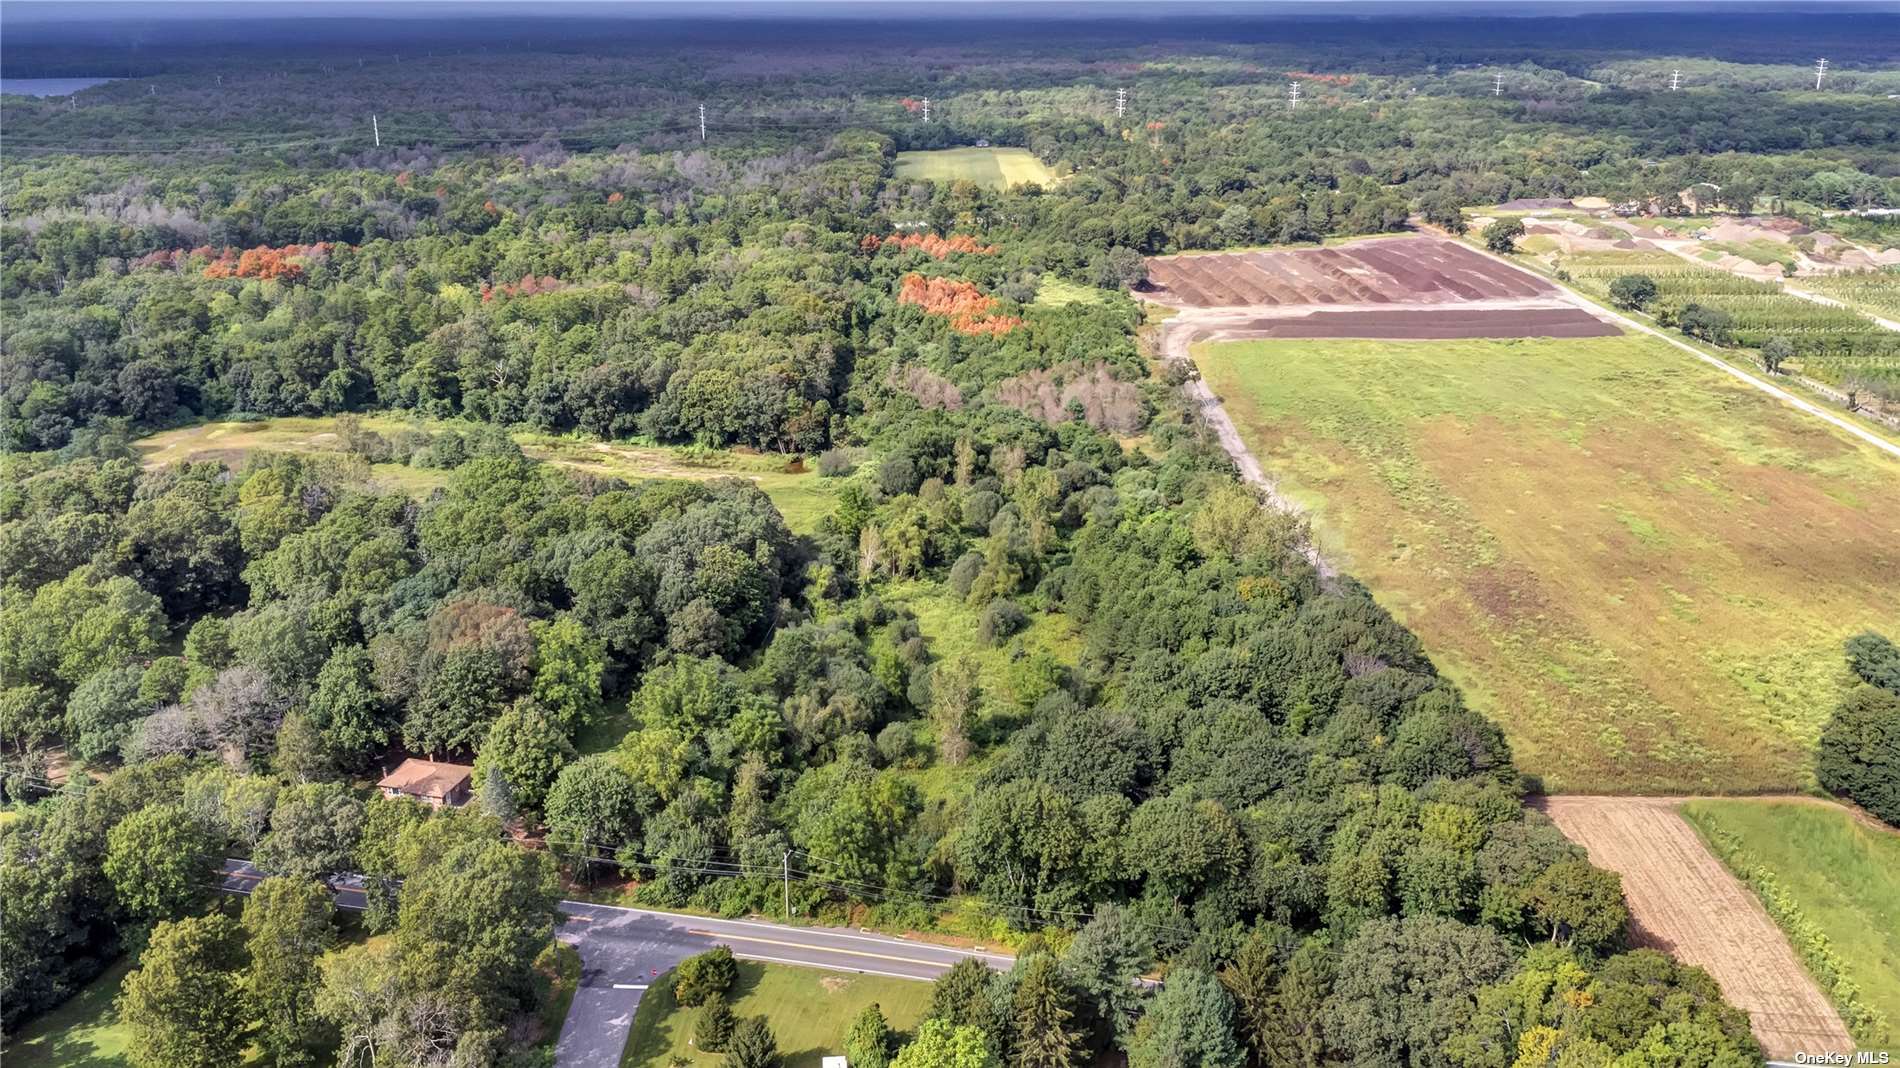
809, 1011
997, 168
82, 1033
1844, 874
1641, 568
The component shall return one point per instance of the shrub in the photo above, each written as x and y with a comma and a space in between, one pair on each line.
897, 744
963, 573
701, 978
979, 508
1001, 619
835, 463
715, 1025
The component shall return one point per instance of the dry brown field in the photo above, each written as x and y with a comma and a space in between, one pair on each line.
1685, 903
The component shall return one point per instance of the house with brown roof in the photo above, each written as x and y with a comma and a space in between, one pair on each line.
431, 782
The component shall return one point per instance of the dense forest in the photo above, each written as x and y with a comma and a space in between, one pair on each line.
1231, 772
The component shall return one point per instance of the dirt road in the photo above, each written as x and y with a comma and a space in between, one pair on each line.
1178, 336
1684, 902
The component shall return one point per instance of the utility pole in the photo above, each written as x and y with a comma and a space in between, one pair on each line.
1675, 80
376, 131
1292, 96
1121, 102
926, 109
1497, 84
1820, 71
702, 124
786, 873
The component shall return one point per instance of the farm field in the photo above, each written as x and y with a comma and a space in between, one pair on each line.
995, 168
1642, 569
1842, 873
1398, 270
1425, 323
1877, 293
809, 1011
1684, 902
801, 496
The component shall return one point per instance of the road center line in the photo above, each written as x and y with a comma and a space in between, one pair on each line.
810, 948
630, 986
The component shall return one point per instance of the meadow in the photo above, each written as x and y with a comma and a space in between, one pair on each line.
801, 495
809, 1011
995, 168
1842, 873
1639, 567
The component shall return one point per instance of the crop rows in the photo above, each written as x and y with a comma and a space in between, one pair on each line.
1761, 310
1874, 291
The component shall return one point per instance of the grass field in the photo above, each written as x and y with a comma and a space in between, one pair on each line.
809, 1011
1053, 292
1844, 875
997, 168
82, 1033
801, 496
1639, 567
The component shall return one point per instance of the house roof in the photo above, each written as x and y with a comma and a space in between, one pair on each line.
427, 778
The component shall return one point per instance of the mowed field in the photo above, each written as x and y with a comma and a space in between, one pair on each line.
808, 1010
1641, 568
1684, 902
1840, 869
996, 168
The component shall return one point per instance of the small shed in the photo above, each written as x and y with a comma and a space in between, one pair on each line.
429, 781
834, 1062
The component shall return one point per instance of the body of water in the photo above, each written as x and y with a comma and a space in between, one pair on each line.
47, 86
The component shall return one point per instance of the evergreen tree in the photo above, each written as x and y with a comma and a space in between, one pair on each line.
752, 1045
1044, 1008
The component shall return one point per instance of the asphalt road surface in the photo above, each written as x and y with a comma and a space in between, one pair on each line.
624, 950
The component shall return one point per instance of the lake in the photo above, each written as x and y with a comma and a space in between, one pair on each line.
48, 86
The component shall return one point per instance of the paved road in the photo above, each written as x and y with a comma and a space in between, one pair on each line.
624, 950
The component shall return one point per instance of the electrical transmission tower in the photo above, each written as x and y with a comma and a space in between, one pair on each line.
926, 103
702, 124
1497, 84
1675, 80
375, 131
1121, 102
1292, 96
1820, 71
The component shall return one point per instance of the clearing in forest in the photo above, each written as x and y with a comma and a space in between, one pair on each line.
1641, 568
1685, 903
995, 168
801, 496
